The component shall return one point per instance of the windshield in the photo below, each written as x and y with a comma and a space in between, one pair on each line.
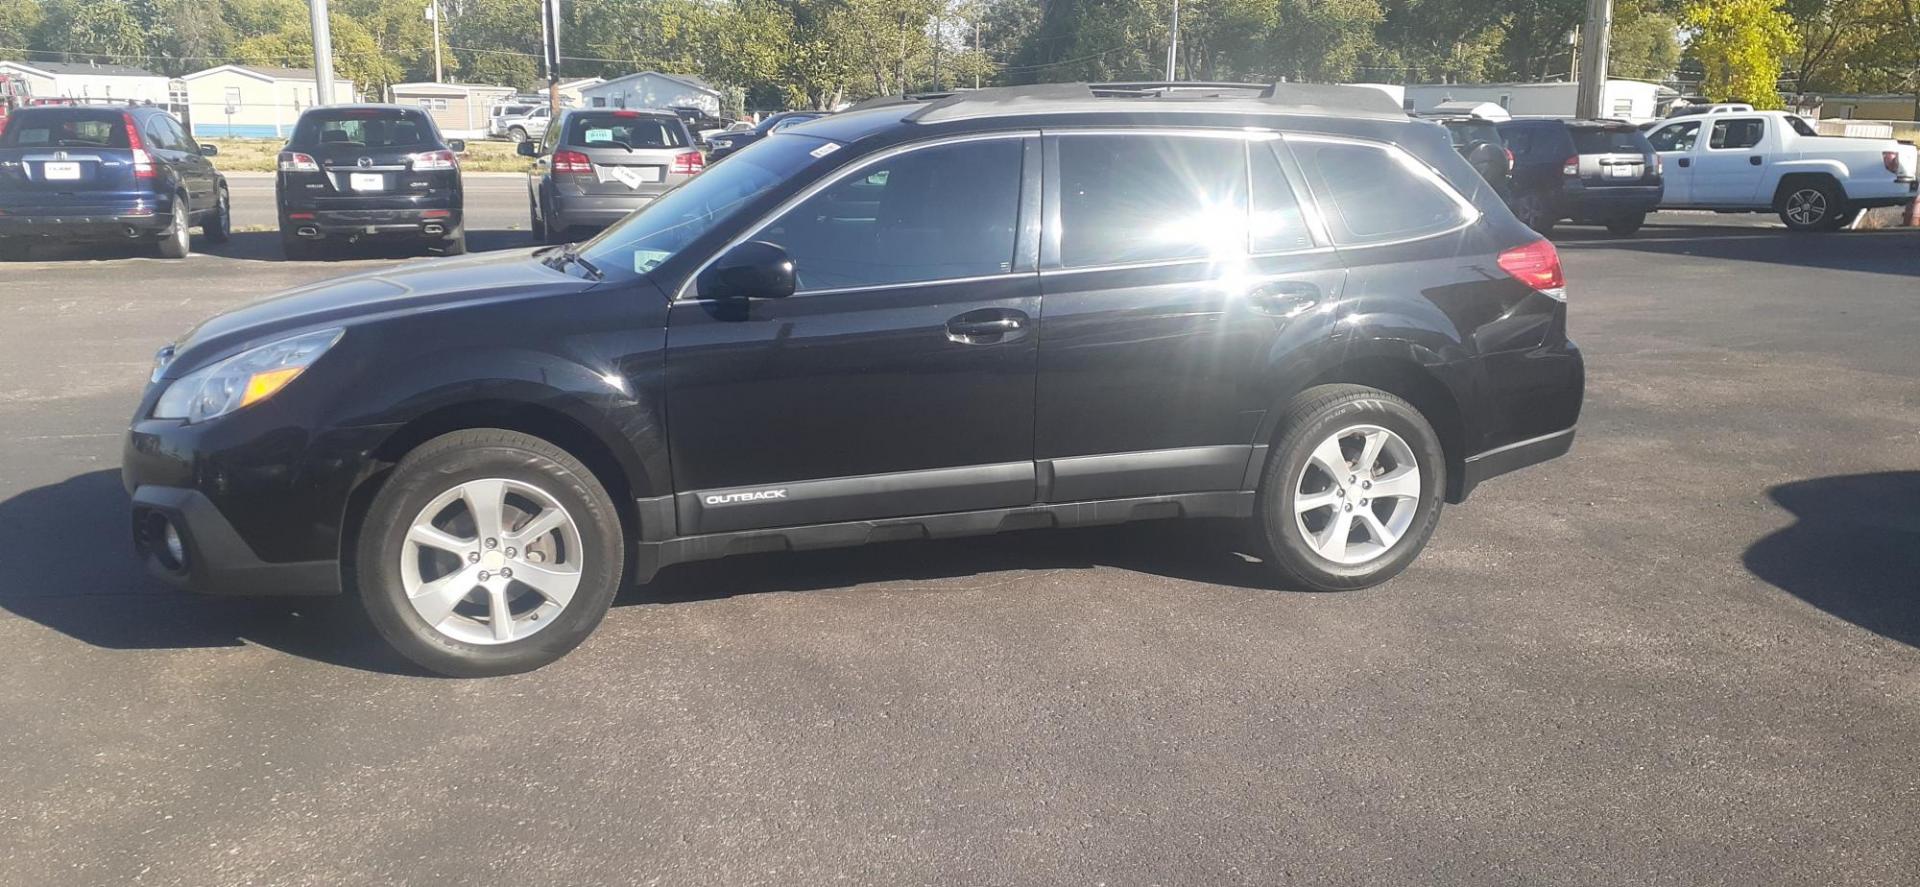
640, 242
625, 130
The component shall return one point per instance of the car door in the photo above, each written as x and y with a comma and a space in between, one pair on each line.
1170, 310
203, 179
164, 146
1728, 170
898, 378
1674, 142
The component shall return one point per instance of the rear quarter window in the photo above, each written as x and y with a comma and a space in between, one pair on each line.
1373, 193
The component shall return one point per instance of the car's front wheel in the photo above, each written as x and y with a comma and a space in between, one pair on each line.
217, 227
488, 552
1534, 211
516, 134
1352, 489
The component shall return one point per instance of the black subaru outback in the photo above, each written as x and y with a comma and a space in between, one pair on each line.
996, 310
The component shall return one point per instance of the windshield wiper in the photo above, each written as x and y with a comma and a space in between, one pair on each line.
570, 255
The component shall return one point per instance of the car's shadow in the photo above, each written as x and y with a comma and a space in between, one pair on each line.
264, 246
1888, 251
1853, 551
70, 567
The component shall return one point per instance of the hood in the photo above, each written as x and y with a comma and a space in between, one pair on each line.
430, 285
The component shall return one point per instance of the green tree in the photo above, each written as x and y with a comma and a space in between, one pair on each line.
1741, 45
19, 22
97, 30
356, 56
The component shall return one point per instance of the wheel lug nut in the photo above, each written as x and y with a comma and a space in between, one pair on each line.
506, 572
1352, 477
473, 557
483, 575
1363, 503
1346, 507
510, 552
1366, 485
1342, 492
493, 543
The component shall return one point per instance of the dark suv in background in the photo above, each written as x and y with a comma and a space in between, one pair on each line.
365, 172
726, 143
106, 173
1594, 172
595, 166
999, 310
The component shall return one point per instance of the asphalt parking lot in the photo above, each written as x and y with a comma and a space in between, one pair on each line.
1688, 653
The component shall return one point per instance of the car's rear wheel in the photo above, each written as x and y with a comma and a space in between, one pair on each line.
1811, 205
456, 243
1533, 211
1622, 226
1352, 489
176, 240
217, 227
488, 552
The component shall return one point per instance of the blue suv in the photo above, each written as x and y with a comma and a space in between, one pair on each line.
106, 173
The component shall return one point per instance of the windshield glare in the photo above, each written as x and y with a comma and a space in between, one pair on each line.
640, 242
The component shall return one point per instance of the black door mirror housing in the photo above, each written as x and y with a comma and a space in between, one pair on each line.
753, 270
457, 146
527, 149
209, 150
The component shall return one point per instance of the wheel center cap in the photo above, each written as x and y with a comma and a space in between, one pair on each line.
493, 560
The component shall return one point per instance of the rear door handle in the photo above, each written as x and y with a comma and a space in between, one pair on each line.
1286, 299
1685, 162
987, 326
1756, 160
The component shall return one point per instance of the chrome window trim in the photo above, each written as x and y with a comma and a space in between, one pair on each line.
1469, 215
834, 178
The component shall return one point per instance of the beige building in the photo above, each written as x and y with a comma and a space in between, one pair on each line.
252, 101
459, 109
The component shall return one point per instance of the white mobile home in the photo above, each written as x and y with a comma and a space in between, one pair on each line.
253, 101
86, 80
1624, 99
459, 109
652, 89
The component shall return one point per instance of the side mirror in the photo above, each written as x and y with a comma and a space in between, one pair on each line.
457, 146
527, 149
209, 150
753, 270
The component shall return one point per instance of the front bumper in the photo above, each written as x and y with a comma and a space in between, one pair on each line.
212, 558
318, 224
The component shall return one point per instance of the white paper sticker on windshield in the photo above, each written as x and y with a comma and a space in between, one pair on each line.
599, 135
825, 149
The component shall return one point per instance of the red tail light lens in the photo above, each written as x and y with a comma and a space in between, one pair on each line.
1571, 166
294, 161
689, 163
1537, 265
571, 162
434, 160
142, 161
1659, 165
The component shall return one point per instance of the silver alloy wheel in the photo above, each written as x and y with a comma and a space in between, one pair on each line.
1357, 494
491, 561
178, 232
1807, 206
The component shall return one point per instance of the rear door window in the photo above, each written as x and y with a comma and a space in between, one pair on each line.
1150, 198
356, 128
1277, 225
1735, 134
628, 131
65, 128
1372, 193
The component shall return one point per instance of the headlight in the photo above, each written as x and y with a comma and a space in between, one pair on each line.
245, 378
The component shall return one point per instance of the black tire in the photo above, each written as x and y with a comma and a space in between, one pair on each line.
13, 249
436, 467
1625, 226
176, 241
535, 223
1532, 210
217, 227
1846, 217
1811, 204
456, 243
1316, 415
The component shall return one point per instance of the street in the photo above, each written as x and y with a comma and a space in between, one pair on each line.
1686, 653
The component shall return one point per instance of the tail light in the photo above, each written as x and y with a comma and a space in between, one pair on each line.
1570, 167
1890, 160
142, 161
1509, 155
688, 163
1659, 165
1537, 265
434, 160
294, 161
571, 162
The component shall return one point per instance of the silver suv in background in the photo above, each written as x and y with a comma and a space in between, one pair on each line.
501, 113
528, 123
594, 166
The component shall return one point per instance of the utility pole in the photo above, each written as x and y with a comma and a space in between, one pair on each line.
1594, 37
433, 15
550, 54
1173, 40
979, 60
322, 52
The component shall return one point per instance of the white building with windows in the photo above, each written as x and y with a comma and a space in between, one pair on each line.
460, 110
252, 101
89, 81
1633, 100
652, 89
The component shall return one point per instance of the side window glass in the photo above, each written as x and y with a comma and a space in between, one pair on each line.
1519, 140
1150, 198
937, 213
1277, 224
1679, 137
1370, 193
181, 140
1732, 134
156, 130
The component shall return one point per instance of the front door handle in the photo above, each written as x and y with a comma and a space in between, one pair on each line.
1756, 160
1285, 300
987, 326
1685, 162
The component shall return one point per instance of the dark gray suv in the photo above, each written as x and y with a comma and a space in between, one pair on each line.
596, 166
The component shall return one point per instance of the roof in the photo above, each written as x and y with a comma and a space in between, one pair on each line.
84, 68
262, 72
1562, 84
1070, 98
687, 80
450, 88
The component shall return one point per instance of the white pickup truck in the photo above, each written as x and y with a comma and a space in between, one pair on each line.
1741, 160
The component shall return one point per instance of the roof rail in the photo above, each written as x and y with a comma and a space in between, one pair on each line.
1155, 95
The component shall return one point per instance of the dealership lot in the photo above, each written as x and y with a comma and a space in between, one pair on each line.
1684, 654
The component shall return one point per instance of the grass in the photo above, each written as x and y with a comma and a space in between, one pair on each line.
261, 155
